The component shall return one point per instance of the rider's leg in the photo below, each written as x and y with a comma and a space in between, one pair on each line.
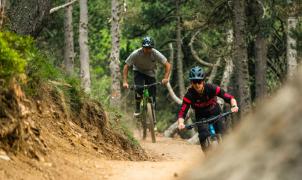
152, 89
139, 79
203, 133
220, 126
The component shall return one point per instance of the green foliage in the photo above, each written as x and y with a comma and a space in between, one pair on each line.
41, 68
100, 89
74, 93
15, 51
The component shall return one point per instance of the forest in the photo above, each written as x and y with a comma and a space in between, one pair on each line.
62, 66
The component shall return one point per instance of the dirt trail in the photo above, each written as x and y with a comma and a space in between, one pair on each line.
67, 162
169, 155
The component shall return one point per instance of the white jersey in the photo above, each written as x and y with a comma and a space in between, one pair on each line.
145, 63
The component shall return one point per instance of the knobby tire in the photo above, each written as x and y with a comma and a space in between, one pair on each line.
150, 116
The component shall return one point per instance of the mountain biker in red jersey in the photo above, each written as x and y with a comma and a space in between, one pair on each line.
144, 61
202, 97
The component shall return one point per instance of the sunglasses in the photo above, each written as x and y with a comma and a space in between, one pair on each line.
196, 81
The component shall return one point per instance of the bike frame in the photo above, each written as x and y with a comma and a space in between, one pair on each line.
144, 110
214, 138
210, 120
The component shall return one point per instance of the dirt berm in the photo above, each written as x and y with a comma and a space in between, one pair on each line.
34, 127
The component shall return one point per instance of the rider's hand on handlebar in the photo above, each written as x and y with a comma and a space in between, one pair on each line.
234, 109
164, 81
181, 126
126, 85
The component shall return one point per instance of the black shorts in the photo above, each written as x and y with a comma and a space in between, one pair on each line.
142, 79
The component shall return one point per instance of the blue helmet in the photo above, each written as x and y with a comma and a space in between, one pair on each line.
197, 73
147, 42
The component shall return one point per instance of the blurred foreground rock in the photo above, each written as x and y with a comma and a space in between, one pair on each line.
267, 145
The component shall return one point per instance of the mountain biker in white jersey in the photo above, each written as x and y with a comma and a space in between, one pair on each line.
144, 61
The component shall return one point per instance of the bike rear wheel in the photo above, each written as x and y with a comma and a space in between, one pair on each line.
150, 118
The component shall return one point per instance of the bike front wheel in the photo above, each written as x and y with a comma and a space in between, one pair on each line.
150, 118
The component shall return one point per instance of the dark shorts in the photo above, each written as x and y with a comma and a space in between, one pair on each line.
142, 79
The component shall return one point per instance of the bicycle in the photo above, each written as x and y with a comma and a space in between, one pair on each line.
213, 139
147, 116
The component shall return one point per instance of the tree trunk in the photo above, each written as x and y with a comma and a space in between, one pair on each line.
260, 65
180, 73
260, 50
27, 17
291, 52
2, 12
240, 56
84, 49
69, 46
229, 66
171, 60
115, 99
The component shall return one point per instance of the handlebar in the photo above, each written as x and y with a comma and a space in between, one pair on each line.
209, 120
132, 87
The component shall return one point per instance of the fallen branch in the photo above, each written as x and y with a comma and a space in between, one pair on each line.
62, 6
60, 83
194, 53
214, 71
173, 95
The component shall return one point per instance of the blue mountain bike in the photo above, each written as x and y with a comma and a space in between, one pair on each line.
213, 139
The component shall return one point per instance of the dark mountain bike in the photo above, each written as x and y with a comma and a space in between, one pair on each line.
147, 115
213, 139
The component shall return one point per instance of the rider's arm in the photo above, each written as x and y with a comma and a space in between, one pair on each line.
167, 70
234, 107
233, 102
125, 73
185, 106
186, 103
181, 123
183, 112
227, 98
221, 93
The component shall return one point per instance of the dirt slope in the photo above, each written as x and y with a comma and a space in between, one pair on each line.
167, 157
47, 137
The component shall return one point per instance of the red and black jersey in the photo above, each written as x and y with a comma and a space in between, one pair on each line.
204, 104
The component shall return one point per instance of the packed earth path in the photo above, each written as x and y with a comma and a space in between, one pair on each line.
168, 158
